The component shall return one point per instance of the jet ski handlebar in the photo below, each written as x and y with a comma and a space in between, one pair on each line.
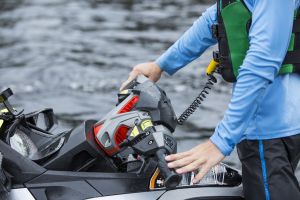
172, 179
157, 141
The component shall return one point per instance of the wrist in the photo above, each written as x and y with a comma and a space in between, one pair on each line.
217, 141
157, 67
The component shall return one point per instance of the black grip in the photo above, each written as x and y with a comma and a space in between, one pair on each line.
130, 85
5, 95
172, 179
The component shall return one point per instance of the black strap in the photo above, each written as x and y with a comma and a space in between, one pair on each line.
218, 31
296, 68
292, 57
296, 27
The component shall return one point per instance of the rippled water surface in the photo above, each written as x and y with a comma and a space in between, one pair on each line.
72, 55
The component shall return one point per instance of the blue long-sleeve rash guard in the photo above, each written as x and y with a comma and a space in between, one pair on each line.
263, 104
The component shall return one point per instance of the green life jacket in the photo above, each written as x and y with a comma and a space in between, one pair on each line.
232, 33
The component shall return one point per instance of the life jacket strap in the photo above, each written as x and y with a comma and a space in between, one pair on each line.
218, 31
292, 57
296, 27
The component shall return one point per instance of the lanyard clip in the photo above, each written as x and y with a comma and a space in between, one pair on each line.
214, 64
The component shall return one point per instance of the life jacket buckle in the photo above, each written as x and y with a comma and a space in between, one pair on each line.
215, 30
216, 56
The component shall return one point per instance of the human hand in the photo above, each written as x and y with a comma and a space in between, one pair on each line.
150, 70
202, 157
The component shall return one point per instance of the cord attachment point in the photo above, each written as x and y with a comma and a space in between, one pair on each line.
211, 68
216, 56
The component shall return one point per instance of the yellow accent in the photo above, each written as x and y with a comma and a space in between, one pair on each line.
124, 92
212, 67
134, 132
146, 124
2, 111
153, 179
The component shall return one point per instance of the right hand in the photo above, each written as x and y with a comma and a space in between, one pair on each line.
150, 70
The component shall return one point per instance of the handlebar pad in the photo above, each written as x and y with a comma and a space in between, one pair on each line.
172, 179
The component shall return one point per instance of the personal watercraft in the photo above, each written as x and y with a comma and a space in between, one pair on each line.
119, 157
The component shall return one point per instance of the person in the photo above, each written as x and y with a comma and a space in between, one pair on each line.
263, 116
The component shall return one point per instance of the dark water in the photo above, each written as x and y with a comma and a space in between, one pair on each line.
72, 55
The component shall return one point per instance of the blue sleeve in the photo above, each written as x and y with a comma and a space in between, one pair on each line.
191, 45
269, 39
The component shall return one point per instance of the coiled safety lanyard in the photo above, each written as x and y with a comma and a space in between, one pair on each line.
202, 95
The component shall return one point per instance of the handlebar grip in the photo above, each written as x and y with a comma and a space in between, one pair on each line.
130, 85
172, 179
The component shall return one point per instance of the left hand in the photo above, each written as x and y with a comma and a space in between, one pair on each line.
202, 157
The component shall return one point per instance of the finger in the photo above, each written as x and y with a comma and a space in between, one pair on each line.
182, 162
131, 77
133, 74
123, 85
203, 171
177, 156
191, 167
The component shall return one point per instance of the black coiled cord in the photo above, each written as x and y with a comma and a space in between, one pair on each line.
198, 100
